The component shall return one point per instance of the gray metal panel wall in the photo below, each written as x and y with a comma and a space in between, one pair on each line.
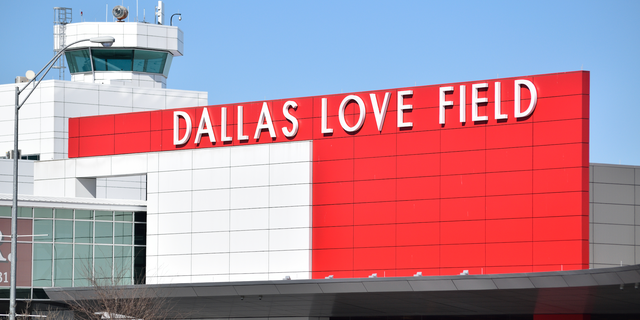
614, 218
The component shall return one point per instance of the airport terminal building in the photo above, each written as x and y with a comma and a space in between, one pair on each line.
469, 200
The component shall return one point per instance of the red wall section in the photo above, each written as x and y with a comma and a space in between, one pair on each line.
489, 197
494, 196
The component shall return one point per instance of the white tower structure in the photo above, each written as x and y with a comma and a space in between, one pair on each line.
129, 76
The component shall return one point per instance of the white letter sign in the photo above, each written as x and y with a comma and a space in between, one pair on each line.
498, 98
363, 113
241, 135
380, 114
176, 128
402, 107
292, 119
532, 103
324, 128
475, 101
264, 122
444, 103
205, 120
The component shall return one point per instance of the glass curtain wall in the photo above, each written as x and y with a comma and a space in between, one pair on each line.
75, 247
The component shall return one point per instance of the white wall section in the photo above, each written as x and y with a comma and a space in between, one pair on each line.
217, 214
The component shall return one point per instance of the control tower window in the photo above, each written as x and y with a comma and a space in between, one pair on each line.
119, 60
112, 60
79, 61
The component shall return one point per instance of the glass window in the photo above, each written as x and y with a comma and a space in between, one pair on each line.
167, 65
43, 213
84, 232
112, 59
122, 267
104, 215
140, 234
64, 214
140, 216
123, 233
5, 211
42, 258
42, 228
62, 265
139, 264
84, 214
64, 231
149, 61
103, 264
123, 216
104, 232
78, 61
83, 265
25, 212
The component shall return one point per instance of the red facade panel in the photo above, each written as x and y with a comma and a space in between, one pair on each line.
418, 211
374, 213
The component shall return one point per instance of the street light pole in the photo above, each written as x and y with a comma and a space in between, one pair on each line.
105, 41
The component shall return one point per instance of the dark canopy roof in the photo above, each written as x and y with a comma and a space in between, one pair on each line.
595, 291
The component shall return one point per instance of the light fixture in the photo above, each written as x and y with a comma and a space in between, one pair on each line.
175, 14
105, 41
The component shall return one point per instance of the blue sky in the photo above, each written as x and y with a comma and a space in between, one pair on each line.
255, 50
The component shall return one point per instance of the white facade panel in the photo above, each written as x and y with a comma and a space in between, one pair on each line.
173, 266
209, 200
246, 198
215, 178
152, 244
171, 223
93, 167
290, 261
176, 160
174, 181
280, 239
210, 221
249, 155
289, 173
300, 151
290, 195
210, 242
172, 244
251, 240
249, 219
249, 263
210, 264
174, 202
212, 158
289, 217
249, 176
152, 182
129, 164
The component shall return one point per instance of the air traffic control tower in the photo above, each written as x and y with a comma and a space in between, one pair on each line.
140, 57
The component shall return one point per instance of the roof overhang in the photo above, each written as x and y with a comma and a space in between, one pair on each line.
595, 291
